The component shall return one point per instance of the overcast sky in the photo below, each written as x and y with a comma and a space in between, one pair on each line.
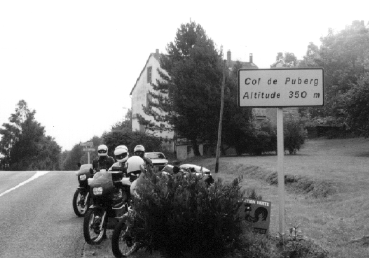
75, 62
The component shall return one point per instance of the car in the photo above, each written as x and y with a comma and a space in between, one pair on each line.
201, 171
158, 158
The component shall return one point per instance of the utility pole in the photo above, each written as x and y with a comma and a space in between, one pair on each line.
221, 114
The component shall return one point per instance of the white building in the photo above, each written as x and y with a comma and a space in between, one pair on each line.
140, 96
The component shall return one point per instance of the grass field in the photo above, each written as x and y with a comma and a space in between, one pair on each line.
327, 193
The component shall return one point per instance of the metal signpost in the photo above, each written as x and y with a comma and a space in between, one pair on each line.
88, 147
280, 88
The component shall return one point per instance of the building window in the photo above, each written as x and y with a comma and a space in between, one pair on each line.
149, 74
142, 128
148, 99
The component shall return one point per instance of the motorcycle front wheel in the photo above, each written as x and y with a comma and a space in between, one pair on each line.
94, 226
123, 243
81, 202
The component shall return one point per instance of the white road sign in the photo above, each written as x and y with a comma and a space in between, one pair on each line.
293, 87
88, 149
87, 144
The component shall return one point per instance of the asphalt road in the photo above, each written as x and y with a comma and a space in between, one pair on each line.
36, 215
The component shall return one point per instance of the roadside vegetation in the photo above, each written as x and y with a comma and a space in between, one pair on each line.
319, 223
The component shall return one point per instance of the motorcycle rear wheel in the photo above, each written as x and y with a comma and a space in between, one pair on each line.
94, 226
123, 244
78, 207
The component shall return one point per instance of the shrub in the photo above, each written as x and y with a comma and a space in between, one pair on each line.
294, 134
262, 139
131, 139
183, 217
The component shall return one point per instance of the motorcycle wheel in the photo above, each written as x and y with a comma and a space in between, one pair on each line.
80, 206
122, 243
94, 226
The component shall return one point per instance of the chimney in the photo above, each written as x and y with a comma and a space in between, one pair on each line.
156, 53
228, 57
250, 58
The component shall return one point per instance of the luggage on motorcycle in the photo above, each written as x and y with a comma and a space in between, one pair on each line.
84, 169
102, 179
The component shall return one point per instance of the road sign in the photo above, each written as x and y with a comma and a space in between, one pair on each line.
89, 149
87, 144
291, 87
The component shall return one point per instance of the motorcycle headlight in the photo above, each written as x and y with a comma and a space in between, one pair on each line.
98, 190
82, 177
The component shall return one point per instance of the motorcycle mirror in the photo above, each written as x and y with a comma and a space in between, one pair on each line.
78, 164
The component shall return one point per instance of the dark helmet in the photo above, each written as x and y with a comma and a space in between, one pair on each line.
139, 150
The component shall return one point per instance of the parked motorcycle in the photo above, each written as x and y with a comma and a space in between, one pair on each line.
81, 197
123, 242
109, 203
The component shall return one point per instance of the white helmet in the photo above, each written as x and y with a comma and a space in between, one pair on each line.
121, 153
102, 150
135, 163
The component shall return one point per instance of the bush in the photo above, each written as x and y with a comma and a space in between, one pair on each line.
131, 139
183, 217
294, 134
262, 139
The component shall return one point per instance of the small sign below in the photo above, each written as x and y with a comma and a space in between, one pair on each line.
89, 149
257, 214
293, 87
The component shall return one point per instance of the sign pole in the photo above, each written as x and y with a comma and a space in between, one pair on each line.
88, 157
280, 168
221, 114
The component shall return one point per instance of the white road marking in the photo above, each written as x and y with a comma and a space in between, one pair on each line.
38, 174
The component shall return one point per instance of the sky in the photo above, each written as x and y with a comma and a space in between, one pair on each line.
76, 62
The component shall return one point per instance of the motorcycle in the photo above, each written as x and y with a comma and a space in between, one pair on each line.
123, 242
109, 203
81, 197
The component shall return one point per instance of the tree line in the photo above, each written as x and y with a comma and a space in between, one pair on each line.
24, 145
187, 100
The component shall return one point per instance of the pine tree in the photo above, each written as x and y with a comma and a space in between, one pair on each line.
187, 99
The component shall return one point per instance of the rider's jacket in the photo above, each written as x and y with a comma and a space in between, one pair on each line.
103, 162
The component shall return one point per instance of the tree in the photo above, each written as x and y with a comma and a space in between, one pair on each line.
130, 139
24, 143
73, 157
345, 59
126, 124
285, 60
356, 101
187, 99
237, 121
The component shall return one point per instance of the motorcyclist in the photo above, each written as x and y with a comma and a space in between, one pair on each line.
139, 150
121, 155
104, 161
135, 169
